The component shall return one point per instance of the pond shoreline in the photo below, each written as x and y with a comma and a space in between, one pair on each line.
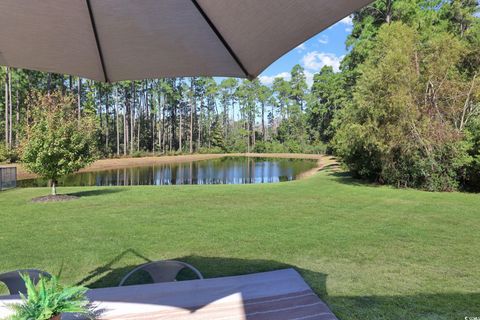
120, 163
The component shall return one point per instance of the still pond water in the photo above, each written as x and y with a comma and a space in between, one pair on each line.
228, 170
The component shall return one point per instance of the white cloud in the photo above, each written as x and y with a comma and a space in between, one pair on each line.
323, 39
347, 20
314, 61
309, 77
301, 47
268, 80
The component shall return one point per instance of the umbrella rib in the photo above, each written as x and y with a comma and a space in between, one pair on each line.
97, 41
222, 39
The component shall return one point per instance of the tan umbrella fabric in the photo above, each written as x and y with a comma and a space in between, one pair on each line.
113, 40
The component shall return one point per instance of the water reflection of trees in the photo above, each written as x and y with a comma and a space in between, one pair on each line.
216, 171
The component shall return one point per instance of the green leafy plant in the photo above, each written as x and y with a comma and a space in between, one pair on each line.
57, 142
48, 299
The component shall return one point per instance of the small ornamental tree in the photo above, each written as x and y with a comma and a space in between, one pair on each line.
57, 142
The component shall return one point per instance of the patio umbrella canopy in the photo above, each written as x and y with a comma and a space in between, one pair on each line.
113, 40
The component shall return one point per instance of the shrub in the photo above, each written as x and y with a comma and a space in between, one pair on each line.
289, 146
269, 147
470, 177
138, 154
236, 145
8, 155
3, 153
317, 148
48, 299
211, 150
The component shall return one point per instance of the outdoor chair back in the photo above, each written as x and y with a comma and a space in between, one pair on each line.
162, 271
14, 281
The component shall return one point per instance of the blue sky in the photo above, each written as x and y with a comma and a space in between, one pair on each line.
326, 48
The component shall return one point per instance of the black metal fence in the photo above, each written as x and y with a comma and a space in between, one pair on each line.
8, 178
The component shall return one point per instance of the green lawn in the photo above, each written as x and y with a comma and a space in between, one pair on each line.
369, 252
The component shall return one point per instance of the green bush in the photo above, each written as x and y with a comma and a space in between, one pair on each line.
235, 145
3, 153
439, 172
138, 154
48, 299
317, 148
289, 146
269, 147
174, 153
359, 150
9, 155
470, 176
293, 146
14, 155
211, 150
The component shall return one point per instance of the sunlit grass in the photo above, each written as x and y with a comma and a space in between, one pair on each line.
369, 252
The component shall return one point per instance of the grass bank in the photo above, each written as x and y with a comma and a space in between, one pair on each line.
369, 252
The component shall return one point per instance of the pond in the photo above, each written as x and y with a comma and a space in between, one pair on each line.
227, 170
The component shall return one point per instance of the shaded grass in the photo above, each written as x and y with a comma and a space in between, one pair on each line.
370, 252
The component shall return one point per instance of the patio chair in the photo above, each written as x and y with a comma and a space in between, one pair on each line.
14, 281
162, 271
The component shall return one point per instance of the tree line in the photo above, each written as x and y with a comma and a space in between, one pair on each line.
174, 115
403, 109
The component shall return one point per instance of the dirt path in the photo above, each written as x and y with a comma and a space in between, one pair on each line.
106, 164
